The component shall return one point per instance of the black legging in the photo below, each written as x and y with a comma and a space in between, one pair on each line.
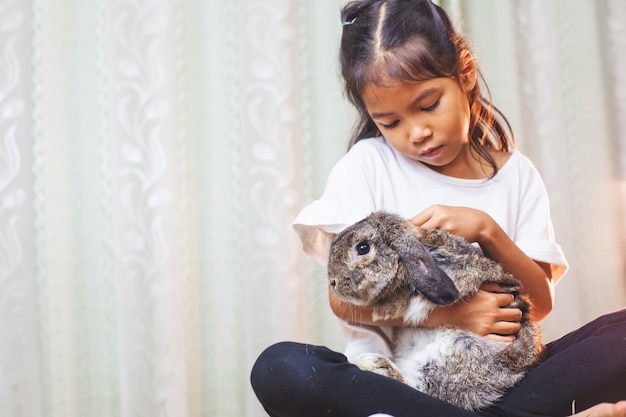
587, 365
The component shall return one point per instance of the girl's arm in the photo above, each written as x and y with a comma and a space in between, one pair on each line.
485, 314
478, 226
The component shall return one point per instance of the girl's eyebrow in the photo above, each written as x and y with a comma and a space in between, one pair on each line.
424, 94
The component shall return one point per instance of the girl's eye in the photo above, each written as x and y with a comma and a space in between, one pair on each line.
390, 125
432, 106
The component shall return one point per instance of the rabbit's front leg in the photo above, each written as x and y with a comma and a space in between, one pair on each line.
379, 364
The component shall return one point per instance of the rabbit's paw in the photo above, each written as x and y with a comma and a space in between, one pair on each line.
378, 364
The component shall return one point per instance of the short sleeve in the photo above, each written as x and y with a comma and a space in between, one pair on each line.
347, 198
535, 233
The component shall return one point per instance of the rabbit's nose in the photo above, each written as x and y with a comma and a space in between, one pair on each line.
333, 283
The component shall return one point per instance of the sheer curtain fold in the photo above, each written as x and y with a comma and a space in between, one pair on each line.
568, 132
20, 387
615, 33
153, 154
145, 133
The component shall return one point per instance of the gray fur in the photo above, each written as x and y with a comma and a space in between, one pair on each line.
399, 270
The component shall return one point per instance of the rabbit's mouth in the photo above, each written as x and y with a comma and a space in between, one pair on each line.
349, 293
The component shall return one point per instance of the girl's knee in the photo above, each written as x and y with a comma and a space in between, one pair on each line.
289, 360
273, 363
290, 370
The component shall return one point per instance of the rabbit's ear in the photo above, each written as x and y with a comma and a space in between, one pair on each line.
423, 272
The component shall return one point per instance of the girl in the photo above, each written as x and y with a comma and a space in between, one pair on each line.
431, 147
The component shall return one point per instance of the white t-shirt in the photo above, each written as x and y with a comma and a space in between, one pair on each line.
374, 176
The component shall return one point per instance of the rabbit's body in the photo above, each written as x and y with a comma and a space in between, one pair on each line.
387, 263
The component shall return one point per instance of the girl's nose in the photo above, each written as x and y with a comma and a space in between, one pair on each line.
419, 133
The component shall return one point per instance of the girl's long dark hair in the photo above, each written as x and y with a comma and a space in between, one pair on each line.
414, 40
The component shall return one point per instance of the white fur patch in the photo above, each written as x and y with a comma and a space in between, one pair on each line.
418, 310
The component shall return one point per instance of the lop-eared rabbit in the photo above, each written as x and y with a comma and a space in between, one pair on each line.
399, 270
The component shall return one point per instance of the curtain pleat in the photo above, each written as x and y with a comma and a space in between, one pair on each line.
149, 227
20, 373
153, 154
76, 304
567, 134
614, 31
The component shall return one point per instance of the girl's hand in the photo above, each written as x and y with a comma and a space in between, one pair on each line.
485, 314
477, 226
470, 224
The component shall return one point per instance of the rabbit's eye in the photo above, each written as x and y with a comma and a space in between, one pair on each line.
363, 248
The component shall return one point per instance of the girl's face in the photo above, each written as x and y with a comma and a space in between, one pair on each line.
427, 121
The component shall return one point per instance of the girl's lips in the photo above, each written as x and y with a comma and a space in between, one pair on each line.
432, 152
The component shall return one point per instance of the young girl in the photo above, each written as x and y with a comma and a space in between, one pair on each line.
432, 148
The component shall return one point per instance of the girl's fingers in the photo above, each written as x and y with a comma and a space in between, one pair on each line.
508, 324
500, 338
420, 218
504, 331
510, 314
505, 299
506, 328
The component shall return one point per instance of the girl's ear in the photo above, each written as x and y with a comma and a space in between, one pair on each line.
468, 75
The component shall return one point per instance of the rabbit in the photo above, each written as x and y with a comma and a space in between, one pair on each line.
400, 270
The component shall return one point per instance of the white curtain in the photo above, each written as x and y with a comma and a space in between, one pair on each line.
153, 154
